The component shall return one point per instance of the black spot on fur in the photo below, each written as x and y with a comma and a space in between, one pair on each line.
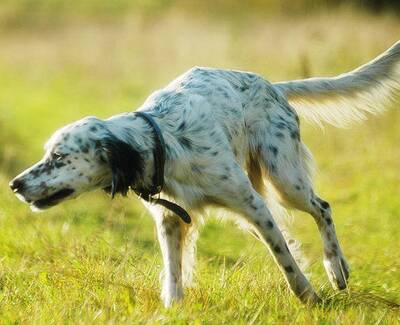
253, 207
185, 142
195, 169
281, 125
295, 135
59, 164
289, 269
324, 204
181, 127
277, 249
269, 224
274, 150
329, 221
35, 172
204, 148
97, 144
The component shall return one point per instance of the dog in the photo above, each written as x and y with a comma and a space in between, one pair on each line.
219, 137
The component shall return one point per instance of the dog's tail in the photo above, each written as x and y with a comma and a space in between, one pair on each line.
347, 97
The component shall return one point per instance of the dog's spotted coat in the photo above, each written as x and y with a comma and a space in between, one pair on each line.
225, 133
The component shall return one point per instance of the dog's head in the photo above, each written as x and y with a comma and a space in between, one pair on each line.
79, 157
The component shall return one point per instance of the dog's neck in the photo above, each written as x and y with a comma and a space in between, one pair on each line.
138, 133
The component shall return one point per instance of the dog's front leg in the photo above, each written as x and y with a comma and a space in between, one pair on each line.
169, 231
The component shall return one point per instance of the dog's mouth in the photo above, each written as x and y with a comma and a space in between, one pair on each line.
53, 199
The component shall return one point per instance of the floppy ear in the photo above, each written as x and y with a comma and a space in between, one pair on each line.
125, 163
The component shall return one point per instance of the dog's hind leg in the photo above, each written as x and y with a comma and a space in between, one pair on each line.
235, 192
286, 162
335, 263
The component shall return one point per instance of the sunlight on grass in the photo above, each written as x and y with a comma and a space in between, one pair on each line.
95, 260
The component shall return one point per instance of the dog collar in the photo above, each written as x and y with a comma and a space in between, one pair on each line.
158, 178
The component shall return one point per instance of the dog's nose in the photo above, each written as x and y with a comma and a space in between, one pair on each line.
16, 185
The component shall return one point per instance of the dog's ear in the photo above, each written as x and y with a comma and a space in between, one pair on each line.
125, 162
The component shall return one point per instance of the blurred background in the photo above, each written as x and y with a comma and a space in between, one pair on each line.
96, 259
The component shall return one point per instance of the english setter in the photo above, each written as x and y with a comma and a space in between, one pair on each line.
227, 134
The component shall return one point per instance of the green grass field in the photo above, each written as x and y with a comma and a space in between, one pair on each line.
94, 260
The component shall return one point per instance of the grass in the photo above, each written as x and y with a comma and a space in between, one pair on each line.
97, 261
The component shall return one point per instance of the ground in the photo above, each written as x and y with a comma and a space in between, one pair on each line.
94, 260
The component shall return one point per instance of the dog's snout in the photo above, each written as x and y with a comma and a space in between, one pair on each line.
16, 185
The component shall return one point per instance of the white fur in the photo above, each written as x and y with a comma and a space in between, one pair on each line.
340, 100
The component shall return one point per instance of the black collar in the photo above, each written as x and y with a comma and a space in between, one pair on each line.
159, 155
158, 178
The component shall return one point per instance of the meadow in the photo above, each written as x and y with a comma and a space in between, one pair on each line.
94, 260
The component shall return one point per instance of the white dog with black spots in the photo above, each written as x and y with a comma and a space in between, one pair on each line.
226, 133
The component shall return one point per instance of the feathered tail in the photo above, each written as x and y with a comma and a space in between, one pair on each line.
348, 97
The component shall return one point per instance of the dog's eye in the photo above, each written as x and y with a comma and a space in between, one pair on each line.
57, 156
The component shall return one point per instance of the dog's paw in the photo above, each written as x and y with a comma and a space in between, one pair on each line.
170, 295
338, 271
169, 300
310, 297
